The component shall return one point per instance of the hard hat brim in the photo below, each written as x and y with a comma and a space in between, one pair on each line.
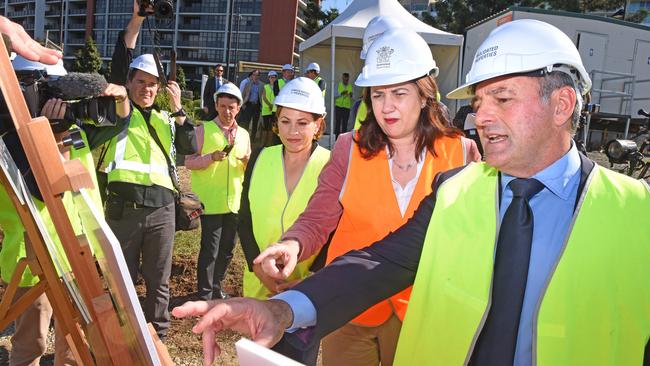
301, 107
398, 78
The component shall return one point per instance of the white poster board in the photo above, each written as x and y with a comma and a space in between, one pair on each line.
250, 353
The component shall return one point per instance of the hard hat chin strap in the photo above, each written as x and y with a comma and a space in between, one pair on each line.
572, 72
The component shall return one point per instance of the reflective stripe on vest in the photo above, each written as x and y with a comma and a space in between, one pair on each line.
135, 157
595, 309
370, 210
273, 212
317, 80
362, 113
267, 109
344, 101
219, 186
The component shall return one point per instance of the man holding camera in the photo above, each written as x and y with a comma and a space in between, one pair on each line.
140, 208
217, 178
31, 327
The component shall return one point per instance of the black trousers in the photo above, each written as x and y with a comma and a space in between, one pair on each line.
249, 118
218, 236
341, 120
146, 235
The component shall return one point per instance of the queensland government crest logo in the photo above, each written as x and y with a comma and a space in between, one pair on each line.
383, 57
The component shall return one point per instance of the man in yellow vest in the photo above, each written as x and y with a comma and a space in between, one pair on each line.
217, 178
343, 104
268, 108
520, 260
313, 72
287, 75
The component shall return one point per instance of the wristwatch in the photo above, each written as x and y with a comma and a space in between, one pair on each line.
179, 113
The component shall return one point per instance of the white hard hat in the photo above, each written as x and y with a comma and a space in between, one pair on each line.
273, 73
506, 51
287, 67
397, 56
230, 89
20, 64
375, 28
145, 63
313, 66
302, 94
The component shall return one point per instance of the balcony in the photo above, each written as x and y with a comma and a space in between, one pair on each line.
201, 44
76, 41
77, 11
20, 14
77, 26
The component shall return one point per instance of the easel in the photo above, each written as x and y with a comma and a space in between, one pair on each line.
104, 336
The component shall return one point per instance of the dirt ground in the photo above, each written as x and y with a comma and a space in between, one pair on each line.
185, 347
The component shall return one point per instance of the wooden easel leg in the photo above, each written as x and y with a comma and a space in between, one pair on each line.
161, 349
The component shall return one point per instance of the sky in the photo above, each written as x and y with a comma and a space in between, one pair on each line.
339, 4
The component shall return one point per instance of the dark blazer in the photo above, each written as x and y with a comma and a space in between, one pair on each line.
379, 270
208, 93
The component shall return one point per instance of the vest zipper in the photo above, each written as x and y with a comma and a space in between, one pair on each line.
489, 305
286, 189
557, 262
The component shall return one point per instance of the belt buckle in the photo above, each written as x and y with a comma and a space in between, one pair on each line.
131, 204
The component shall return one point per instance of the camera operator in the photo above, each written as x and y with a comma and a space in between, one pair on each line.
31, 327
140, 208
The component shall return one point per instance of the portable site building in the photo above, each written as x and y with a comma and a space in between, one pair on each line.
616, 54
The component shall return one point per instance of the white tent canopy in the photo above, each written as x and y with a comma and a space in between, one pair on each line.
336, 47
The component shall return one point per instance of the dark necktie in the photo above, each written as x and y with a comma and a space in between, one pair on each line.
498, 339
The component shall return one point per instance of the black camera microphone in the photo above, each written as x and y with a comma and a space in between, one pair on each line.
76, 85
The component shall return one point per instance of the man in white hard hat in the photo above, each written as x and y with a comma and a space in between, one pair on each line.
313, 72
142, 178
537, 273
343, 104
217, 178
287, 75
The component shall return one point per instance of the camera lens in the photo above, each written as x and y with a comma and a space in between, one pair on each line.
163, 8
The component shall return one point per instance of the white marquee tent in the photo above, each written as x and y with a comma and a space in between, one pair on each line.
336, 47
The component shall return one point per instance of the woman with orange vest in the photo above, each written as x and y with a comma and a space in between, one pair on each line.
373, 183
278, 183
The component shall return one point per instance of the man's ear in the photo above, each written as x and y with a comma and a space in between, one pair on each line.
565, 101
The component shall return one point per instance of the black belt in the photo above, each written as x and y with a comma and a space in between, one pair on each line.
133, 205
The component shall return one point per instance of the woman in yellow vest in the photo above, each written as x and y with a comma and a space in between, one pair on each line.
374, 182
278, 183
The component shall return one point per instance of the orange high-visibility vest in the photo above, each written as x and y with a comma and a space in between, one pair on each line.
371, 211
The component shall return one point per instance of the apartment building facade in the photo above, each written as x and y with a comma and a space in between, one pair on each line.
260, 31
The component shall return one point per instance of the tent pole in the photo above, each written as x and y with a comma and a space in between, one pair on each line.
461, 55
332, 81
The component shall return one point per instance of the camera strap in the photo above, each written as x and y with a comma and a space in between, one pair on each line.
170, 166
102, 154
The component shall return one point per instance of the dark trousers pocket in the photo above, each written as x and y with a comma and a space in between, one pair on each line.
114, 208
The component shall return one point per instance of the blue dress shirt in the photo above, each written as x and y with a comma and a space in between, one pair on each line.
552, 210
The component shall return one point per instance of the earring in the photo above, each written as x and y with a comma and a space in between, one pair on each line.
423, 105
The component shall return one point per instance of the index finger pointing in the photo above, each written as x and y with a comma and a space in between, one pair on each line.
191, 308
